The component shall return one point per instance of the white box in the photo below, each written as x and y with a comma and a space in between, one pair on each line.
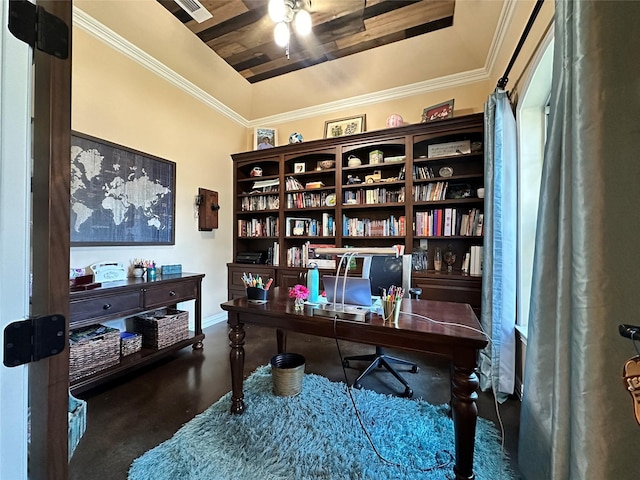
463, 147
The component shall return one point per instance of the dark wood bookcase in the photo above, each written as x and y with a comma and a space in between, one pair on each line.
304, 185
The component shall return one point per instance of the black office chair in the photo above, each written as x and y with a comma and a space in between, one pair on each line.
384, 271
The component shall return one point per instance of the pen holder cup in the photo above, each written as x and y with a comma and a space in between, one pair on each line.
256, 295
391, 310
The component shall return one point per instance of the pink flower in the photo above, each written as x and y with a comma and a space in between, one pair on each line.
299, 291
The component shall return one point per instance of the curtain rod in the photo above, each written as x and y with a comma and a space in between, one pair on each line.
502, 83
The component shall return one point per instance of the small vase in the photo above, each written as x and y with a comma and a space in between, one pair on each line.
298, 304
138, 272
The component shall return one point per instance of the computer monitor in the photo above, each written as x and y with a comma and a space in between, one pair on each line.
385, 270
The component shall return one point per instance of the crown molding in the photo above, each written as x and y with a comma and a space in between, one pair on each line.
120, 44
506, 16
463, 78
87, 23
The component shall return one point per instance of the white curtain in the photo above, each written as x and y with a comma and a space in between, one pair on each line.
497, 361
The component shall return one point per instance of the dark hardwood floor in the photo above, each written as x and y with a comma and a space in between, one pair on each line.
129, 416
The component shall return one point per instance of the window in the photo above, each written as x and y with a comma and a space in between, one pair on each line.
532, 115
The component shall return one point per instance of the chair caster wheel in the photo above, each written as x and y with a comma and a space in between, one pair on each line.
415, 369
408, 393
345, 363
357, 385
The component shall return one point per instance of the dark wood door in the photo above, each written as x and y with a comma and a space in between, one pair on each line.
49, 378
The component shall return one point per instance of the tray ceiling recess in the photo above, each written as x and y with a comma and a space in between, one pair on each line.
241, 32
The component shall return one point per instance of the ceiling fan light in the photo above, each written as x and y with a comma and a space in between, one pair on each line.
281, 34
277, 10
302, 22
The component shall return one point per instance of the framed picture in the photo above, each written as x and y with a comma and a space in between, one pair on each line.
438, 112
264, 137
344, 126
120, 196
298, 167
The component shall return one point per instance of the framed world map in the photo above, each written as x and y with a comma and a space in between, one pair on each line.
120, 196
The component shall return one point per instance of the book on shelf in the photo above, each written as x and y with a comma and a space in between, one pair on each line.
447, 222
475, 261
267, 185
292, 183
306, 199
317, 184
479, 225
465, 263
276, 254
366, 227
258, 227
310, 227
328, 225
296, 226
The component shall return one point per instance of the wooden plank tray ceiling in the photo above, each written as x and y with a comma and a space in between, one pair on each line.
241, 31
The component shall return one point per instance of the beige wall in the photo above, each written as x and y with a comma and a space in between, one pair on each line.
366, 74
468, 99
151, 28
118, 100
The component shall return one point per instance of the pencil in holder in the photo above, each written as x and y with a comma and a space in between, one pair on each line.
391, 310
257, 295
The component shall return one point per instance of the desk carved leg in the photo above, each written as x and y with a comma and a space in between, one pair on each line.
236, 357
464, 383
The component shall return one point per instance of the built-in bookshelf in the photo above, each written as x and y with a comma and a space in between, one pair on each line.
415, 185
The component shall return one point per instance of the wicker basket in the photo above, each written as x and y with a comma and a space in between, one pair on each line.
92, 349
130, 342
162, 328
287, 371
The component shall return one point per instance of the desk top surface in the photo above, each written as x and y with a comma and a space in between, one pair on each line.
426, 320
131, 282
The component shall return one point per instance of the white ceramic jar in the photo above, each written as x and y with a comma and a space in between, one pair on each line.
353, 161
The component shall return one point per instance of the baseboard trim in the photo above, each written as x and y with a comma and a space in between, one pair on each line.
214, 319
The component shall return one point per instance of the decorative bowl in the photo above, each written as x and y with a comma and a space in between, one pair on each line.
326, 164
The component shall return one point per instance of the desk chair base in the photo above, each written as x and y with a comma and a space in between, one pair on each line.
380, 359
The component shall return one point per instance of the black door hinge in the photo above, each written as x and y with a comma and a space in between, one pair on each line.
35, 26
33, 339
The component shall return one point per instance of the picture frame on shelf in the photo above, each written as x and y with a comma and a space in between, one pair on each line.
120, 196
299, 167
438, 112
345, 126
264, 137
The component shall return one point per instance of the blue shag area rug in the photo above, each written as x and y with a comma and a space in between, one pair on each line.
316, 435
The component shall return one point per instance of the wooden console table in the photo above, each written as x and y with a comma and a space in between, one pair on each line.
114, 300
459, 344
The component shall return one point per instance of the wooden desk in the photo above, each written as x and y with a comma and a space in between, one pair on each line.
459, 345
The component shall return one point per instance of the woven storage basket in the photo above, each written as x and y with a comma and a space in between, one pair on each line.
287, 371
92, 349
162, 328
130, 342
